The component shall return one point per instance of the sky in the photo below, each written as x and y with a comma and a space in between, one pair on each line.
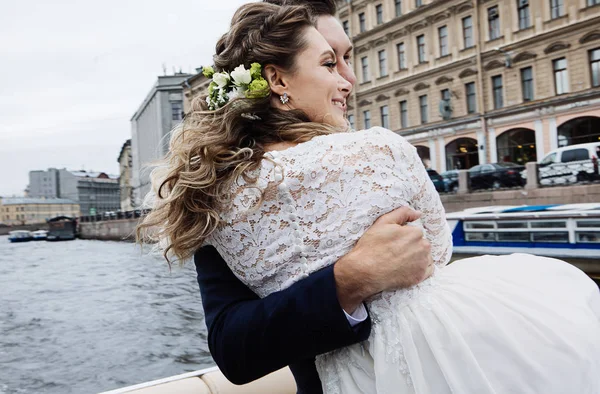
73, 72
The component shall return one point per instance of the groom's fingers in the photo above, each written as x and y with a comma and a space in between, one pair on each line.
400, 216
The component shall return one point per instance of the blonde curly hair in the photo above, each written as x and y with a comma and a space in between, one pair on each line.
210, 150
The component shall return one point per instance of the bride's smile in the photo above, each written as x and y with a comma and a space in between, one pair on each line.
314, 84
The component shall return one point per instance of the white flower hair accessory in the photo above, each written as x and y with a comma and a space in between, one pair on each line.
240, 83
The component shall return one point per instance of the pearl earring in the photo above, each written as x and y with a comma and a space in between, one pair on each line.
284, 99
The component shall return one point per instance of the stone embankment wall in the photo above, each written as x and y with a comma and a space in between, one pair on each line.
545, 195
113, 230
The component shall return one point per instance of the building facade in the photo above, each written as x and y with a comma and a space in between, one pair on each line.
19, 210
159, 113
193, 87
96, 192
473, 82
43, 184
125, 172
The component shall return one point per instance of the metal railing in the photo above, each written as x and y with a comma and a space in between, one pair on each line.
532, 177
116, 215
571, 173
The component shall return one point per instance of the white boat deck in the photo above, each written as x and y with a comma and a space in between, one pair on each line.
212, 381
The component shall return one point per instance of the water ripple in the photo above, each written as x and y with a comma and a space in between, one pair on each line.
88, 316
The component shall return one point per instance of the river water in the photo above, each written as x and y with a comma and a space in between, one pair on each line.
87, 316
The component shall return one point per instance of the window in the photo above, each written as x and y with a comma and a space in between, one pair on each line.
595, 66
379, 13
351, 121
593, 2
471, 98
403, 114
445, 107
398, 5
385, 117
382, 63
575, 155
524, 18
561, 79
468, 32
365, 68
362, 22
423, 106
367, 118
557, 8
494, 22
401, 56
446, 94
475, 169
527, 83
443, 34
497, 86
421, 48
176, 110
346, 27
418, 3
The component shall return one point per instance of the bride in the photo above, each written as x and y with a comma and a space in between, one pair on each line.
265, 170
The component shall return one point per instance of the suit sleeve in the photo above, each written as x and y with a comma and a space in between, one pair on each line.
250, 337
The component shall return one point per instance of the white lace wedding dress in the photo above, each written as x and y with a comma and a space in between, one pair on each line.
512, 324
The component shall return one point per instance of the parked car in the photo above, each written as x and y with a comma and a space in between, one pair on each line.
570, 164
496, 175
450, 180
437, 180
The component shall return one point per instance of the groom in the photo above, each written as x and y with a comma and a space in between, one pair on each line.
250, 337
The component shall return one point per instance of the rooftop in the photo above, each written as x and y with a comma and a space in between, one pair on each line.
31, 201
85, 174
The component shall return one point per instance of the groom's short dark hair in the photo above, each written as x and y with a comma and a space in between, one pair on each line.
318, 7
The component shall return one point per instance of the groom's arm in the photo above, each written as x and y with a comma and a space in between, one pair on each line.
250, 337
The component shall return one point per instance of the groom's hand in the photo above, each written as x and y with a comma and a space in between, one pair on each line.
389, 256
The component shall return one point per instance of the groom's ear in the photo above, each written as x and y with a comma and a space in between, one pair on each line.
276, 79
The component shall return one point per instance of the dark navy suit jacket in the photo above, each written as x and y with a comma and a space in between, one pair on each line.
250, 337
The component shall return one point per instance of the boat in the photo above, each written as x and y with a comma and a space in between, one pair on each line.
558, 230
62, 228
212, 381
39, 235
19, 236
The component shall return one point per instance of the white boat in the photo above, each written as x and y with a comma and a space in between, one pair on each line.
212, 381
19, 236
39, 235
562, 231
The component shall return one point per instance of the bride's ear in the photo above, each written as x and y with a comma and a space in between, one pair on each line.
276, 79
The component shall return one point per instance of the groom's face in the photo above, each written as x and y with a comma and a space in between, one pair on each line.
332, 30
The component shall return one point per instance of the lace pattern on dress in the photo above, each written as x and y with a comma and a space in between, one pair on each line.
319, 198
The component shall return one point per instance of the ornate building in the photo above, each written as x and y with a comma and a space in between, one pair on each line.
472, 82
193, 87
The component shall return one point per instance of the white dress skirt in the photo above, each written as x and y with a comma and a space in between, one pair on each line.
482, 325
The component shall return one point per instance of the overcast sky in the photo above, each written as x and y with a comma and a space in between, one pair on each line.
73, 72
